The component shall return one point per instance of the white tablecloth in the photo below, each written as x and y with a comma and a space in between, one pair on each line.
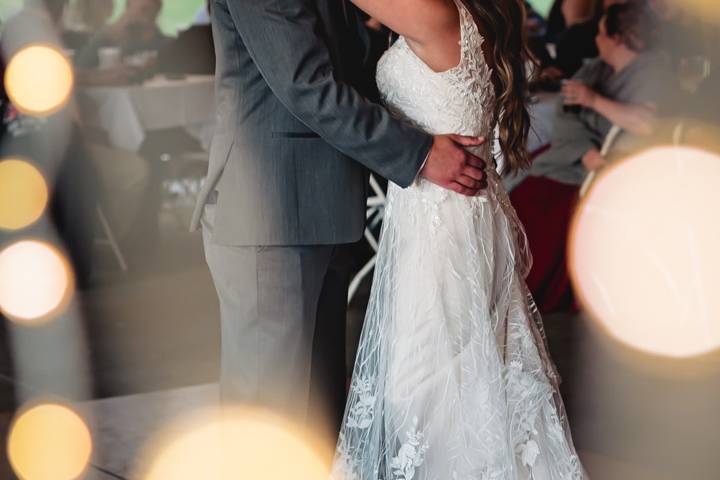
127, 113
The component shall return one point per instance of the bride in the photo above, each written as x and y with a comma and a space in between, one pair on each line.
452, 379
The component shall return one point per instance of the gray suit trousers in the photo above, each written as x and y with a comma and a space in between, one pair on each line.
282, 312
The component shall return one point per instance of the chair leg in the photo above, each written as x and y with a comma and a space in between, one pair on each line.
110, 236
376, 205
360, 276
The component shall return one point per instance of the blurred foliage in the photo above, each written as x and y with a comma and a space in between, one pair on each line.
176, 14
542, 6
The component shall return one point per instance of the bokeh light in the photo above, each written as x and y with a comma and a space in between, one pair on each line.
644, 254
707, 10
23, 194
235, 444
35, 281
39, 80
49, 442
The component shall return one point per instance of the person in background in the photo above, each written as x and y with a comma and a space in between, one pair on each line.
86, 18
561, 54
134, 32
621, 87
577, 42
632, 111
91, 172
94, 15
555, 24
535, 24
578, 11
53, 143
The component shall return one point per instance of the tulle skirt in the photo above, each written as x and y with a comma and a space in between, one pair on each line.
452, 379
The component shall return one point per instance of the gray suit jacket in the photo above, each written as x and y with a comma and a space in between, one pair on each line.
294, 135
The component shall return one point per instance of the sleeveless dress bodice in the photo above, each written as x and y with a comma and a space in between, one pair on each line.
459, 100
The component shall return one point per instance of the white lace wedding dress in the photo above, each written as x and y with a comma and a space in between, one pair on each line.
452, 379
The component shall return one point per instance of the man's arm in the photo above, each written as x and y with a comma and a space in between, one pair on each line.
284, 40
635, 118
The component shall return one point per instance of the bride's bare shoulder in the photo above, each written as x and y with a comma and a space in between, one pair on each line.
421, 21
431, 27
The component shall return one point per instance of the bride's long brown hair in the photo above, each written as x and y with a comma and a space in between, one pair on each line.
502, 23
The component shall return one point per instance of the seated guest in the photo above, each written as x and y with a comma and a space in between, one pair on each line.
620, 87
555, 24
535, 24
94, 14
577, 11
86, 18
89, 172
88, 15
134, 32
541, 32
576, 43
571, 45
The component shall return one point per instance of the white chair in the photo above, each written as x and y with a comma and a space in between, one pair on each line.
374, 215
612, 135
110, 239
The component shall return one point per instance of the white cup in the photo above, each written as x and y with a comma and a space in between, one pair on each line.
109, 57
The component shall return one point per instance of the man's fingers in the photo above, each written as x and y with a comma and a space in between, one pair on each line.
468, 182
475, 173
456, 187
475, 162
472, 183
463, 190
467, 141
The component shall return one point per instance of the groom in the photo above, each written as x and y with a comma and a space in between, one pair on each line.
286, 187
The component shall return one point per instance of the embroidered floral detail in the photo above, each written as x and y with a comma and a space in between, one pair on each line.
528, 452
489, 473
410, 456
343, 466
363, 409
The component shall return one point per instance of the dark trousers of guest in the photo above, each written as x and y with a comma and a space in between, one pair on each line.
282, 312
545, 208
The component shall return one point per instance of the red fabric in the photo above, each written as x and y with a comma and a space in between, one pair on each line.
545, 208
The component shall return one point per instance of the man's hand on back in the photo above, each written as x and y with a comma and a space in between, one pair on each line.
450, 166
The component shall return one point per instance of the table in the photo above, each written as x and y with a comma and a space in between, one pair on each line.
127, 112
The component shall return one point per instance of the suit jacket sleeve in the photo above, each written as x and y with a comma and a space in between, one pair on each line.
284, 40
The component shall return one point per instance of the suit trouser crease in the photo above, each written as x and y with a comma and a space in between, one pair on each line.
282, 321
